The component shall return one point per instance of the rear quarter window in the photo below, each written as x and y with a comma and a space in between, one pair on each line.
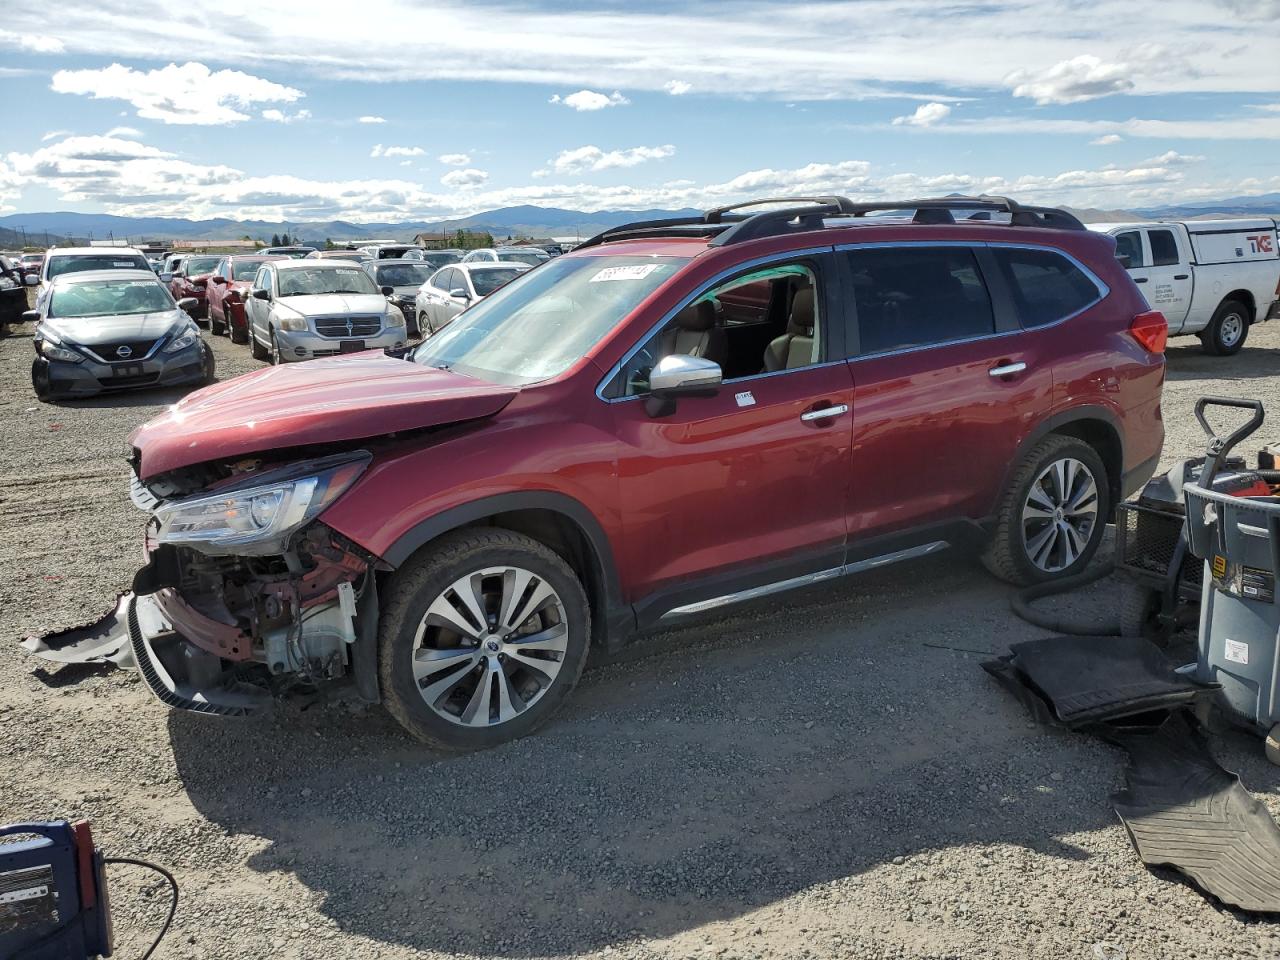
1046, 286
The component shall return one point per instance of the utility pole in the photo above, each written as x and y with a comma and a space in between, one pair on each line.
24, 235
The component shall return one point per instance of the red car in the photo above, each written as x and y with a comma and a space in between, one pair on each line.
672, 418
226, 289
192, 282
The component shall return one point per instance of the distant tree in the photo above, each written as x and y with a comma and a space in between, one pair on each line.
275, 240
329, 244
460, 239
487, 240
247, 237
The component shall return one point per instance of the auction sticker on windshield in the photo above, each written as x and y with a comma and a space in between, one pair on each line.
636, 271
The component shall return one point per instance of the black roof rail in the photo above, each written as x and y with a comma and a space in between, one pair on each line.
726, 225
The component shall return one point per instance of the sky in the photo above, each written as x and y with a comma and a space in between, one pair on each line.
412, 109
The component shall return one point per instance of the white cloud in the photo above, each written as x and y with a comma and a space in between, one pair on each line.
54, 135
592, 158
1085, 77
130, 132
380, 151
187, 94
34, 42
677, 88
1226, 128
1171, 158
279, 116
372, 119
587, 100
464, 179
1107, 139
454, 159
926, 115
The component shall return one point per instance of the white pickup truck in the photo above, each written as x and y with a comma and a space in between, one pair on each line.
1213, 278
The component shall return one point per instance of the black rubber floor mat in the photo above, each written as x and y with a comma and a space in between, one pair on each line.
1086, 680
1184, 811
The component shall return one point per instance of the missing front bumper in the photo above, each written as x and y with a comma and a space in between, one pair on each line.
180, 674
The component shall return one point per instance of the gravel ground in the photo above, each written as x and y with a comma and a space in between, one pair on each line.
829, 776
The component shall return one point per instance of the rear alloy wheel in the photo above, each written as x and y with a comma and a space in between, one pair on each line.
1227, 331
481, 640
1053, 516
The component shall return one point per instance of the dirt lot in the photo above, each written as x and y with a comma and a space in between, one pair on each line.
828, 776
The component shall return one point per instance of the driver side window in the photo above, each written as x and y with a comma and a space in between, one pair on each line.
764, 321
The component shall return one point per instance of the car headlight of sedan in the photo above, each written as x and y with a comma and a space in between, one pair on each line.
184, 339
257, 519
51, 352
294, 324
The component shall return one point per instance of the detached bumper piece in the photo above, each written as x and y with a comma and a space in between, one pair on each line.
1181, 809
176, 671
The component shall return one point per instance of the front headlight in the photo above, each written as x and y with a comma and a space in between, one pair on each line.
60, 353
181, 342
257, 520
395, 316
294, 324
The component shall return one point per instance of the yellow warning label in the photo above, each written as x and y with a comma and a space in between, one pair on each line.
1219, 566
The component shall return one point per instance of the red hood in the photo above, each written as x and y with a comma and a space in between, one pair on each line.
320, 401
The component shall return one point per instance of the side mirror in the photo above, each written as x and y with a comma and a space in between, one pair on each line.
459, 294
678, 375
388, 291
165, 277
31, 280
188, 303
31, 316
1125, 260
262, 295
178, 274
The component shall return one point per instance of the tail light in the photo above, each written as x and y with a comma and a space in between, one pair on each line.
1151, 330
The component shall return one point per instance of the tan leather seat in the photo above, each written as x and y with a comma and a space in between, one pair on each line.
795, 347
693, 333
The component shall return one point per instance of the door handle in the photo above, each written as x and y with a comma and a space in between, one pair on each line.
1007, 369
1139, 279
1182, 276
822, 413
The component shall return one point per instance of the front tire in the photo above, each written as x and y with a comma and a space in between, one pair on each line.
259, 351
481, 639
1052, 517
40, 381
1227, 331
210, 366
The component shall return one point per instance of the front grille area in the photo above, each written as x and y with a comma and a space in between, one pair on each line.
137, 350
117, 383
337, 326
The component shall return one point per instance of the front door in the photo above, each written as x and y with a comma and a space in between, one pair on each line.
747, 487
1168, 287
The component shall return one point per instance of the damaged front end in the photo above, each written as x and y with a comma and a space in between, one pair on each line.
245, 594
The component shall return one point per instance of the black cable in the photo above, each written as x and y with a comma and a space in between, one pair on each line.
173, 905
1022, 600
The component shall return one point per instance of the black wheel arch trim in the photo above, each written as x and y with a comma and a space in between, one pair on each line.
1089, 413
615, 622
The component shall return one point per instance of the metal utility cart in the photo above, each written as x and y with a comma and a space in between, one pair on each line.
1238, 538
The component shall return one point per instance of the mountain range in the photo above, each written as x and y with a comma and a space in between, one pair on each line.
18, 229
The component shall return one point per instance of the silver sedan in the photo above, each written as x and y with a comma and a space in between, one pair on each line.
454, 288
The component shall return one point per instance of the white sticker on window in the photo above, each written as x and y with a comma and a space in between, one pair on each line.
126, 264
1237, 652
636, 271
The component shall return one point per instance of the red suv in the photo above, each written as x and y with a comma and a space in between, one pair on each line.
225, 292
674, 417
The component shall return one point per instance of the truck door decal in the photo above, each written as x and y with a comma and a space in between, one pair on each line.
1261, 243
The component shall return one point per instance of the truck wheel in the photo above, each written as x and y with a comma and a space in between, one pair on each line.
481, 639
257, 349
1052, 518
1227, 331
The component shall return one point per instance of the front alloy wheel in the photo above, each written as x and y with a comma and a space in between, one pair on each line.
481, 638
1059, 514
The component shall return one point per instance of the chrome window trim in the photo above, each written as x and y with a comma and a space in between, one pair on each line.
1103, 289
745, 265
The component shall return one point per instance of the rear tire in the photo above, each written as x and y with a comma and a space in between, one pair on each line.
1044, 532
1227, 331
465, 688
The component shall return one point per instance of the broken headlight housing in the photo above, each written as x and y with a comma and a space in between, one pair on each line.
256, 517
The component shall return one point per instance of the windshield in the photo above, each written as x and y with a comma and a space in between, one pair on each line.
404, 274
536, 326
354, 255
198, 265
487, 281
314, 280
96, 261
435, 259
532, 259
244, 269
99, 298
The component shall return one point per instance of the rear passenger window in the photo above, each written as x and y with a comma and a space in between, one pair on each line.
918, 296
1130, 245
1046, 286
1164, 249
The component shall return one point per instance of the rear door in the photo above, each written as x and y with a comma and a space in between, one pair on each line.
1168, 286
945, 383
